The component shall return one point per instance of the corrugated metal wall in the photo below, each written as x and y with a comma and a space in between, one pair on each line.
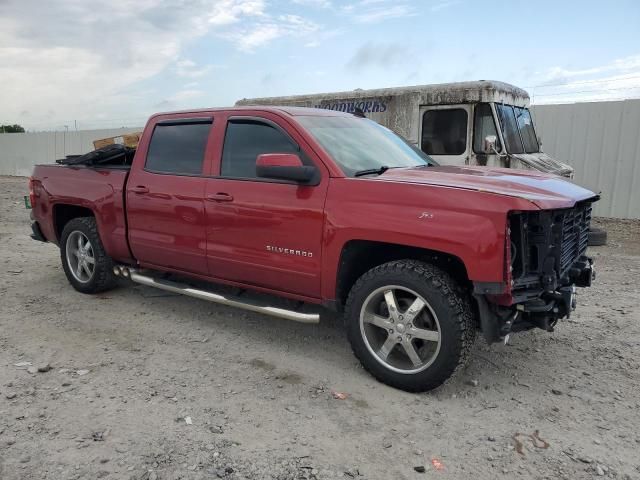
19, 152
601, 140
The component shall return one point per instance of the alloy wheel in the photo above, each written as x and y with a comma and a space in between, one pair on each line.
400, 329
80, 256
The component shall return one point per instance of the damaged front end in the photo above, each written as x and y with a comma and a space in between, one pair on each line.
546, 260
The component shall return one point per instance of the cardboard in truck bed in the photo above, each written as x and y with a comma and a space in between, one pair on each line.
128, 140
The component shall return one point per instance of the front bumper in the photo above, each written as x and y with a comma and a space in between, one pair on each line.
543, 311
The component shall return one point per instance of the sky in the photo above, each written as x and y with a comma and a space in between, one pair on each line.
102, 64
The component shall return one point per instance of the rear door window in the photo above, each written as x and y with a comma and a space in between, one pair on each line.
246, 139
178, 147
444, 132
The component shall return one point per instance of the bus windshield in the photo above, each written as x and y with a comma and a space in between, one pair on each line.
517, 129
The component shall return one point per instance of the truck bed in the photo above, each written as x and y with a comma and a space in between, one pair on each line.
99, 189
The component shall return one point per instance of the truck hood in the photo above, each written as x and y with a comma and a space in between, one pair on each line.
545, 190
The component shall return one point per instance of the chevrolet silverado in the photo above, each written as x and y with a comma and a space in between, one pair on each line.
329, 209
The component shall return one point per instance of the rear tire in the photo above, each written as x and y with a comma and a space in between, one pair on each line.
86, 264
410, 324
597, 237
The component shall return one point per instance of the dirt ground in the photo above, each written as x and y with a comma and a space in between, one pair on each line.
146, 385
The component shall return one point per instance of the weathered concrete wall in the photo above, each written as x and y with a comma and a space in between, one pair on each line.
601, 140
19, 152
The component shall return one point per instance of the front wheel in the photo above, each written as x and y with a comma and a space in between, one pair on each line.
86, 264
409, 324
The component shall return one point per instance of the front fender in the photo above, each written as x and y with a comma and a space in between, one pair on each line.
466, 224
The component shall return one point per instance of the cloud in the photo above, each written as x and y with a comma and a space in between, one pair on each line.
188, 94
444, 4
183, 98
376, 11
380, 55
190, 69
313, 3
76, 59
248, 39
617, 79
561, 74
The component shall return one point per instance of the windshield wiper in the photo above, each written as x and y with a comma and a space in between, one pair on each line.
371, 171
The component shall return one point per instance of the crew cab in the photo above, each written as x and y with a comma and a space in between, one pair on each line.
324, 208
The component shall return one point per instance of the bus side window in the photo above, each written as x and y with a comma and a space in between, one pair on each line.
444, 131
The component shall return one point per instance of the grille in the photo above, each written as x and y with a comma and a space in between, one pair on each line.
545, 245
575, 235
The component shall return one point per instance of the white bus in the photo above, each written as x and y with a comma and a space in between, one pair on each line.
467, 123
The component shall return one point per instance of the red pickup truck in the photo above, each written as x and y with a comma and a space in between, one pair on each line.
326, 208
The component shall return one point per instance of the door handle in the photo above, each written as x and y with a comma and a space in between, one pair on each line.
220, 197
140, 189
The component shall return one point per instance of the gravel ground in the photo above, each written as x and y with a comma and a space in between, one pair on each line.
145, 385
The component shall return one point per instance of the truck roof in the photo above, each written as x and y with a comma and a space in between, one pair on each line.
433, 94
293, 111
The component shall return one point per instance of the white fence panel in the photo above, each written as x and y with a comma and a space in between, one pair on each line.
601, 140
19, 152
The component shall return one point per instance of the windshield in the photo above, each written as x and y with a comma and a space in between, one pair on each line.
517, 129
358, 144
525, 125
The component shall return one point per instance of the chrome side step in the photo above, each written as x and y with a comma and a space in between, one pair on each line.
215, 297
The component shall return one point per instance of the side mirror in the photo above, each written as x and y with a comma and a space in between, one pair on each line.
284, 166
490, 142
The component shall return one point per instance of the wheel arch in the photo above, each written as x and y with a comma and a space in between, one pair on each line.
63, 213
360, 256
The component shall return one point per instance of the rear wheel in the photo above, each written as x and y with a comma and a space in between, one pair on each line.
597, 237
409, 324
86, 264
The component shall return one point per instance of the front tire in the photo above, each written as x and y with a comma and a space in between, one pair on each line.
86, 264
410, 324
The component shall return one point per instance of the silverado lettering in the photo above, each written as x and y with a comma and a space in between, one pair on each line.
289, 251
